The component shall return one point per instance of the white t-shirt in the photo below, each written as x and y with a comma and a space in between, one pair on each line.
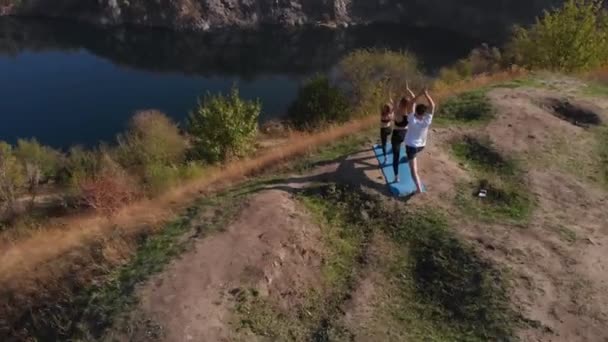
417, 130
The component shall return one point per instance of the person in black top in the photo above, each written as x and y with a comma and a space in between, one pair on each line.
405, 107
386, 120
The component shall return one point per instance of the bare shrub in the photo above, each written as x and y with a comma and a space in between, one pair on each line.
110, 189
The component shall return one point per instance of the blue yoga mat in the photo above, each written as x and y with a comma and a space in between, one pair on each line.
406, 185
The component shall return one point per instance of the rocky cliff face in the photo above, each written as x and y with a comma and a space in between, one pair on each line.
478, 17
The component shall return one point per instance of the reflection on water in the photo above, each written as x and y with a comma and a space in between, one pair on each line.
70, 83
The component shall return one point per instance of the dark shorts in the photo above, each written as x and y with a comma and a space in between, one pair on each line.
412, 151
398, 136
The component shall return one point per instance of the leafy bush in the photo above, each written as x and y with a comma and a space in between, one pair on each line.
78, 165
317, 104
11, 176
39, 163
223, 126
480, 61
152, 138
159, 177
191, 170
110, 189
45, 159
368, 77
574, 37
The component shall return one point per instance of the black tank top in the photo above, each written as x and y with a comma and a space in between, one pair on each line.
402, 123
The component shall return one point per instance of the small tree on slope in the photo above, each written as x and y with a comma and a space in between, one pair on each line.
223, 126
572, 38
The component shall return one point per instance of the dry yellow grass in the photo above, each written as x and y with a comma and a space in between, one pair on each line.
39, 263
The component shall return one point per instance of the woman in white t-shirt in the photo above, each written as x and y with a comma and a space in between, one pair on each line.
415, 139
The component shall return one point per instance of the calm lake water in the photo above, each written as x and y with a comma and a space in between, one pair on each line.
67, 84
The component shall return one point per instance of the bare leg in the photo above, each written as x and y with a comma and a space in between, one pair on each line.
414, 168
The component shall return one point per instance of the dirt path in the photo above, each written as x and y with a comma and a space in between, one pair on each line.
271, 246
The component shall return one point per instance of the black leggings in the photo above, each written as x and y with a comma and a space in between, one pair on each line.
384, 133
396, 140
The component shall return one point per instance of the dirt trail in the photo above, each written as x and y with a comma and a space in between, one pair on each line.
271, 246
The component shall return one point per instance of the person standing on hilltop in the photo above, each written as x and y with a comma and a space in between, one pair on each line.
406, 106
418, 128
386, 122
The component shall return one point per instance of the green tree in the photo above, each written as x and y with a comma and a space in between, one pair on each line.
80, 164
12, 178
39, 163
571, 38
152, 148
369, 77
152, 138
223, 126
317, 104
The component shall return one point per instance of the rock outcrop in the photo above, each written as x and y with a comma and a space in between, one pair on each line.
476, 17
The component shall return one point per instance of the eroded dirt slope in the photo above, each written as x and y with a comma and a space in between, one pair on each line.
271, 246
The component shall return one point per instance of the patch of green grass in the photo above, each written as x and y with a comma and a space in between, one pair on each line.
481, 156
565, 234
259, 317
507, 195
343, 238
531, 82
596, 89
602, 153
469, 108
585, 157
505, 201
442, 290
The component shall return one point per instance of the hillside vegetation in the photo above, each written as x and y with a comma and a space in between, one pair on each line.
290, 228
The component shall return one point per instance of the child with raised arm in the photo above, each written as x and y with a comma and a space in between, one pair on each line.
418, 128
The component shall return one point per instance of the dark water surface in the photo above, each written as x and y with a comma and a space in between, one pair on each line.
66, 83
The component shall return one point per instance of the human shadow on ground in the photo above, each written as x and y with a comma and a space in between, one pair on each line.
349, 170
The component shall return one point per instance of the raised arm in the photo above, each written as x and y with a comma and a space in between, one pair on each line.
409, 91
429, 100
